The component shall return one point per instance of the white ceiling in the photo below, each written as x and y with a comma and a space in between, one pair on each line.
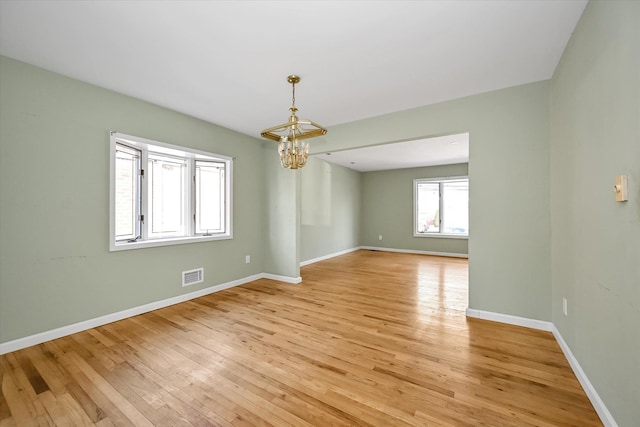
226, 62
443, 150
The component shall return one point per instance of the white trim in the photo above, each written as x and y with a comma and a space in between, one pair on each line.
411, 251
167, 242
442, 235
509, 319
604, 414
333, 255
601, 409
39, 338
286, 279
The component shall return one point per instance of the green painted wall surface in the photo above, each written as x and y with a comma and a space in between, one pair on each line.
387, 206
595, 136
330, 209
282, 216
509, 243
55, 266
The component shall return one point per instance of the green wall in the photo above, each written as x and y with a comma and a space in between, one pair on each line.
330, 209
55, 264
282, 216
387, 206
595, 136
509, 243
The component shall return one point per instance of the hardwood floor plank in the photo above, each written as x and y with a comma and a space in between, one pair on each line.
367, 339
90, 408
21, 397
65, 410
128, 409
18, 409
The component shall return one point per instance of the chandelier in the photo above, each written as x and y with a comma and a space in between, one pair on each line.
292, 149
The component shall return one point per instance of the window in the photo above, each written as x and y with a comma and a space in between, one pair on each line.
163, 194
441, 207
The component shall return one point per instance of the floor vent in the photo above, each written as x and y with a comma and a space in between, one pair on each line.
192, 277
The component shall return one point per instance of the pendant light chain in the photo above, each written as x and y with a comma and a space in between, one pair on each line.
293, 98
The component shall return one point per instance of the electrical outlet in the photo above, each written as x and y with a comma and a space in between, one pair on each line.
564, 306
247, 259
380, 237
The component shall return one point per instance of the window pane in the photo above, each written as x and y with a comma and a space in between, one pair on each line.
455, 200
210, 197
428, 207
127, 167
166, 196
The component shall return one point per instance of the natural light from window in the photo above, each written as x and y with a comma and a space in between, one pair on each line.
441, 207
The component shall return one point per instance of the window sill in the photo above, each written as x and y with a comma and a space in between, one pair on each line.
443, 235
124, 246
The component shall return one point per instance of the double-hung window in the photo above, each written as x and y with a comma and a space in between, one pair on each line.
164, 194
441, 207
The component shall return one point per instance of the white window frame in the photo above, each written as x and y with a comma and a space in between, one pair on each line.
190, 155
438, 234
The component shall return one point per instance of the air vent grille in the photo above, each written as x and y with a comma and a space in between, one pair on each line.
192, 277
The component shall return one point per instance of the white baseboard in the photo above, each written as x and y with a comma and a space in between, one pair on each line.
375, 248
411, 251
286, 279
333, 255
604, 414
39, 338
511, 320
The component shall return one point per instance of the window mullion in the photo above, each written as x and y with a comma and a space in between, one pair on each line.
191, 203
223, 205
144, 195
138, 203
440, 206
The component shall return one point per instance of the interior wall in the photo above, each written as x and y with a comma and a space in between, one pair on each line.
595, 136
509, 245
330, 209
387, 205
55, 264
282, 217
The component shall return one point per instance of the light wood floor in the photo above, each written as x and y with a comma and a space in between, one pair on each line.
368, 339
